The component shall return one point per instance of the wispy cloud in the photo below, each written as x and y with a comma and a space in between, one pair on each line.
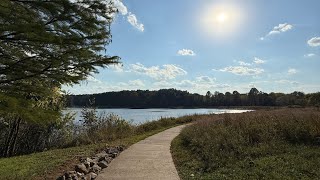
242, 70
120, 6
117, 67
167, 71
309, 55
314, 42
242, 63
200, 84
292, 71
136, 82
132, 19
285, 81
186, 52
123, 10
258, 61
205, 79
281, 28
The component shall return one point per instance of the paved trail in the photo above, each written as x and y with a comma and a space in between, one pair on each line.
147, 159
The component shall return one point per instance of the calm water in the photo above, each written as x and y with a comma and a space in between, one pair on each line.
142, 115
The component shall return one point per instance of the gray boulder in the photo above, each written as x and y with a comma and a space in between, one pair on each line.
103, 164
95, 169
81, 168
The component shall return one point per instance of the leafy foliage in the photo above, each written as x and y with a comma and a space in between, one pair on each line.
54, 41
44, 44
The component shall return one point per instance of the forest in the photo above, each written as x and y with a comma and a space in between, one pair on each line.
172, 98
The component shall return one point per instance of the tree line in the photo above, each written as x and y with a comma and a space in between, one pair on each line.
172, 98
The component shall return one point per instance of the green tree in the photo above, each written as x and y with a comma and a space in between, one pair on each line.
55, 41
44, 44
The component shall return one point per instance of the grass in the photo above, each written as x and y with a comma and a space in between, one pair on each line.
52, 163
266, 144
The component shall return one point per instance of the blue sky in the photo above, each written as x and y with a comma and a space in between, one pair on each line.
212, 45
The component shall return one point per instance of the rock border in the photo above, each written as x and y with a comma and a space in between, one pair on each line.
90, 167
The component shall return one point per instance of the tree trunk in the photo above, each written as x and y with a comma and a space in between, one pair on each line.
11, 139
15, 137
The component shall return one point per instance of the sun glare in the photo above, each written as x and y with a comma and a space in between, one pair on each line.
222, 19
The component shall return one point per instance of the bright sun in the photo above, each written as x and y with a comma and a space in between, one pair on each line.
222, 20
222, 17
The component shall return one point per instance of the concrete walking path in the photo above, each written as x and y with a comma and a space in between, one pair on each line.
147, 159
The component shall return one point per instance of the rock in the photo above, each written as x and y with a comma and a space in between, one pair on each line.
93, 175
108, 159
114, 155
95, 159
102, 154
74, 176
95, 169
90, 167
80, 174
81, 168
69, 174
103, 164
87, 164
83, 160
120, 148
93, 163
112, 150
63, 177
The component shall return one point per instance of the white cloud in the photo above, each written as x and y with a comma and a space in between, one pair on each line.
132, 19
242, 63
136, 82
292, 71
242, 70
92, 79
186, 52
258, 61
200, 84
284, 81
121, 7
314, 42
117, 67
205, 79
309, 55
281, 28
168, 71
123, 10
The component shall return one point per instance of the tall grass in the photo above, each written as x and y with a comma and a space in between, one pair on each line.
95, 128
223, 144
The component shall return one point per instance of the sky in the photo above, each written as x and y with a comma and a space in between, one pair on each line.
212, 45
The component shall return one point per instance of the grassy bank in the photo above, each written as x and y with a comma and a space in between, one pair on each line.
50, 164
266, 144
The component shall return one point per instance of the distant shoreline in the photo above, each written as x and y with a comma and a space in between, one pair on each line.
179, 107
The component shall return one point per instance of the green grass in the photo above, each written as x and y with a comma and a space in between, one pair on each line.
50, 164
273, 144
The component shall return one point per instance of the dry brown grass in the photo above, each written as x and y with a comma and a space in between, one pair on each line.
229, 145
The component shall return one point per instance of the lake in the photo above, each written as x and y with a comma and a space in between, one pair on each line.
138, 116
